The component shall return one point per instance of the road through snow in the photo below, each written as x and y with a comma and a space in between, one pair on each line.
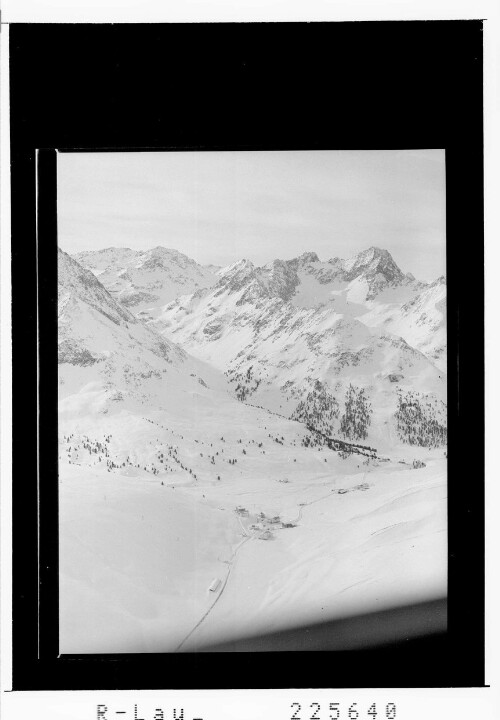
232, 562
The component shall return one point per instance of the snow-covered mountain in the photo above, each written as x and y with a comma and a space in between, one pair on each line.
372, 288
101, 344
307, 282
301, 361
112, 365
187, 516
421, 320
294, 336
369, 286
146, 279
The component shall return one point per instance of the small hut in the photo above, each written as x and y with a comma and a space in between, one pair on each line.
214, 585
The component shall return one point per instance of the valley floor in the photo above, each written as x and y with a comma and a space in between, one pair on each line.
298, 536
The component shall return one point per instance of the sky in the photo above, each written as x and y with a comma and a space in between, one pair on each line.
219, 207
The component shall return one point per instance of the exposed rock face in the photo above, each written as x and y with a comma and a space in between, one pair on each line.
69, 351
282, 279
305, 259
237, 276
374, 264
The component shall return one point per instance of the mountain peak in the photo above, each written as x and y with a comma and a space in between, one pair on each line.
236, 276
308, 257
373, 253
441, 280
143, 279
159, 257
160, 251
238, 266
373, 262
305, 259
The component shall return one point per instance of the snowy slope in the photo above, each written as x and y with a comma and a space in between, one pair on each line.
380, 542
137, 558
104, 351
421, 320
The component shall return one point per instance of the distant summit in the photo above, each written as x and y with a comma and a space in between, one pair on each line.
240, 266
373, 262
162, 257
305, 259
374, 266
146, 279
143, 279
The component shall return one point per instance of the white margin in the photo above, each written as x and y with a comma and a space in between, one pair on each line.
192, 11
437, 703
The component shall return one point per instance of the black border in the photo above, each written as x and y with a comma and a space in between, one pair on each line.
242, 86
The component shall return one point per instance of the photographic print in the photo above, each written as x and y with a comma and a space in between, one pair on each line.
252, 393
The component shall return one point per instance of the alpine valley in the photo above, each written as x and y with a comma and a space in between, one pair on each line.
245, 449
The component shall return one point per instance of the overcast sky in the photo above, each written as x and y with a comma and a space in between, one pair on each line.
218, 207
